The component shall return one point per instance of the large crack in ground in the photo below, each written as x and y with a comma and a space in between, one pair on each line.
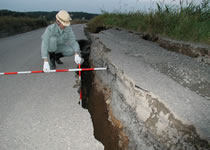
134, 108
146, 125
93, 99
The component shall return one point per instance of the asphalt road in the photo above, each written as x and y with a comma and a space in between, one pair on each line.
179, 83
40, 111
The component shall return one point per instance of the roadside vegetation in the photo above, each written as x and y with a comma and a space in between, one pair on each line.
12, 22
78, 21
13, 25
189, 23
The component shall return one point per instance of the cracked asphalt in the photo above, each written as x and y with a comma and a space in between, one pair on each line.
40, 111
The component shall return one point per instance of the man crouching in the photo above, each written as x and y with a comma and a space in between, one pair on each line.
59, 41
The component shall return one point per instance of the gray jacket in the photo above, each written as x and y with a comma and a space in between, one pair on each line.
64, 37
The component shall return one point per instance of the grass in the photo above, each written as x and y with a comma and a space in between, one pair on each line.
78, 21
14, 25
189, 23
10, 25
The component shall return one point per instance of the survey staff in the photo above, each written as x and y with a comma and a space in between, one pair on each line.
58, 41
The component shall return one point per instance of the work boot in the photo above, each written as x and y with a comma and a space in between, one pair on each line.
57, 58
52, 60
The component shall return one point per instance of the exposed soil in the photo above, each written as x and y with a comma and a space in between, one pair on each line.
104, 131
110, 135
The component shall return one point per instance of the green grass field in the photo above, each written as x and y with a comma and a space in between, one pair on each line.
189, 23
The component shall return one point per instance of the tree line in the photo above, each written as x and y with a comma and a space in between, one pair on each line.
12, 22
49, 16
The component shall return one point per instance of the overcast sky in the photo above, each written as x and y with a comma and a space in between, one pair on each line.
91, 6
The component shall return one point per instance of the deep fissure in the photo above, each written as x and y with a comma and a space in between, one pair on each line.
114, 94
94, 101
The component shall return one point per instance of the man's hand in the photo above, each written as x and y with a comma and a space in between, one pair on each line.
77, 58
46, 66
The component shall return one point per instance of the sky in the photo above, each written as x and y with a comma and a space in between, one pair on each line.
90, 6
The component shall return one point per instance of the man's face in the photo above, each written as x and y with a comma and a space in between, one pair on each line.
60, 25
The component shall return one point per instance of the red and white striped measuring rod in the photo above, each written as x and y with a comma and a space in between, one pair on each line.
50, 71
